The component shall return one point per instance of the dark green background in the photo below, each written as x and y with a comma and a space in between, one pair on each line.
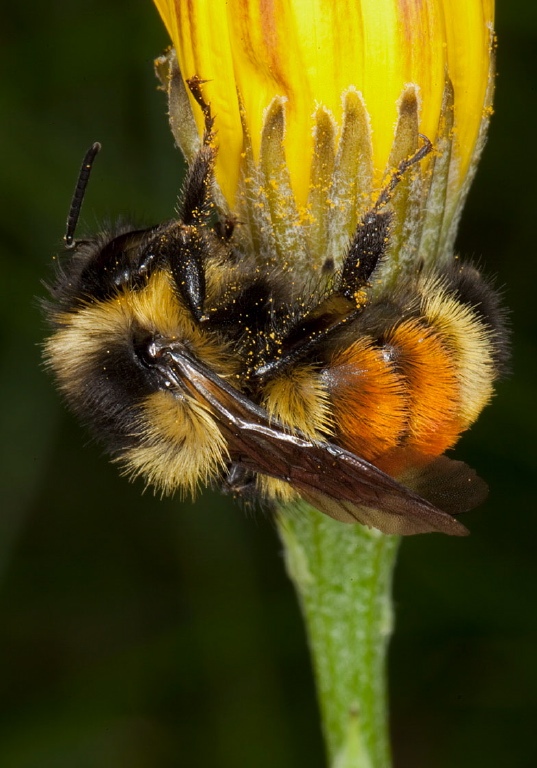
143, 633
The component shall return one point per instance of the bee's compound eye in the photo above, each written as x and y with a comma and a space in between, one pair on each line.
146, 349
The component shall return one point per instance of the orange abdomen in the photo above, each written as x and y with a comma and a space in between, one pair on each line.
369, 400
396, 399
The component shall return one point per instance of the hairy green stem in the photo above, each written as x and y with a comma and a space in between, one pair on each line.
343, 577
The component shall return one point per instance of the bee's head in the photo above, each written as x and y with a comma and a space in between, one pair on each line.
115, 296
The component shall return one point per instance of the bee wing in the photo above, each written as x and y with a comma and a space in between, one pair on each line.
336, 482
448, 486
352, 490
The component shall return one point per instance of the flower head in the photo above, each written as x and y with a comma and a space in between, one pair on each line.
369, 66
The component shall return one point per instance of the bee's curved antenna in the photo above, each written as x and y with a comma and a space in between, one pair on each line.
78, 194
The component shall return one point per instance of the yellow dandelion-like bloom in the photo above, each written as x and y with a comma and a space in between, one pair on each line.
337, 92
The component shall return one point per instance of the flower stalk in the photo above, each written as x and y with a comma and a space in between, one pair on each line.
343, 578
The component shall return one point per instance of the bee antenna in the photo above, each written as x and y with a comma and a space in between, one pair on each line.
78, 194
401, 169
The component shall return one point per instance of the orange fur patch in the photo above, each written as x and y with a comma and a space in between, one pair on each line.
471, 343
369, 401
432, 384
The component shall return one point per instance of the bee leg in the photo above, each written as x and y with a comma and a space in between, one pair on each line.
195, 83
196, 198
190, 246
239, 481
369, 244
225, 228
387, 192
367, 249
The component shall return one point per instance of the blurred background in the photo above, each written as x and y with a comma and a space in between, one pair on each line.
142, 633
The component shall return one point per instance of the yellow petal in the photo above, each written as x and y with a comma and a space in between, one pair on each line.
311, 51
469, 41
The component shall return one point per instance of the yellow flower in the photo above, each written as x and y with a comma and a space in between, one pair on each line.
311, 51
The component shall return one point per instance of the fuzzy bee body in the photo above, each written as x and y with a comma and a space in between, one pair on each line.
195, 364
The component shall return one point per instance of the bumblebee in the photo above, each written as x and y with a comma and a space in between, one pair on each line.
194, 364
